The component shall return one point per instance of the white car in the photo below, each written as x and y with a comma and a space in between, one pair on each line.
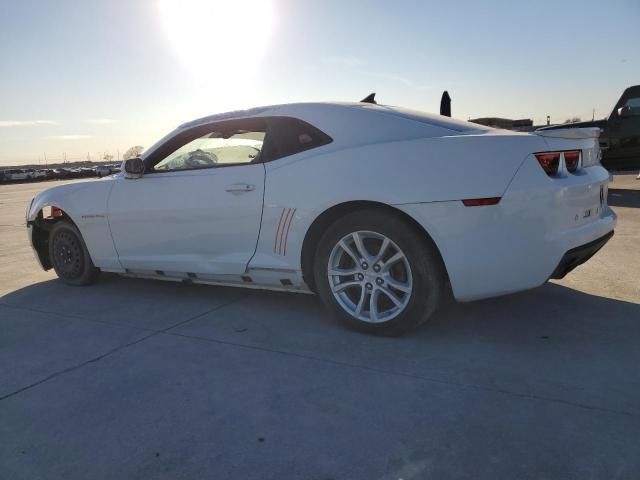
33, 174
15, 174
103, 170
382, 211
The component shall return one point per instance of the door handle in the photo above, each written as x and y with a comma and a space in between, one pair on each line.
239, 188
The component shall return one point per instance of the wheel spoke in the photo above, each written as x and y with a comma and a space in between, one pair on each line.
341, 286
350, 252
373, 306
362, 250
395, 258
343, 272
403, 287
392, 296
382, 251
361, 302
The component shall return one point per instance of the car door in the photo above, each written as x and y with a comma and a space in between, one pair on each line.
198, 207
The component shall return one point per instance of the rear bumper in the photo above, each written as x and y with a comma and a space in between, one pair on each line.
577, 256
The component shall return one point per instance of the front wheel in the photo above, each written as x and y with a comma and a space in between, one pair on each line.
378, 274
69, 255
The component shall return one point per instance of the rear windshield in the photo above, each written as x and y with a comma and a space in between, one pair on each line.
431, 119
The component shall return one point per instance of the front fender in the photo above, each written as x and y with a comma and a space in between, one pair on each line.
85, 203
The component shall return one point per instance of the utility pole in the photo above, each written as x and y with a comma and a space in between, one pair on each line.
548, 119
593, 117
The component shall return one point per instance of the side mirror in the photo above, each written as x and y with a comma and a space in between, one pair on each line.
624, 112
133, 168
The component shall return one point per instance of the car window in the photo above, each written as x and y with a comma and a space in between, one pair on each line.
633, 104
215, 149
288, 136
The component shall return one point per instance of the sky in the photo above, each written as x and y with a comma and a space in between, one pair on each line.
79, 79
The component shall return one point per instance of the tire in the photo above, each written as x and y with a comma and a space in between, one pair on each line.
69, 255
410, 269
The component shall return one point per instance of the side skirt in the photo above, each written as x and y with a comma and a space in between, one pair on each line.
276, 280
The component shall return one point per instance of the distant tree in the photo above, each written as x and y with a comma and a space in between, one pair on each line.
133, 152
572, 120
107, 157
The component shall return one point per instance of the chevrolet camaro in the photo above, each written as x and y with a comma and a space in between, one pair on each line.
384, 212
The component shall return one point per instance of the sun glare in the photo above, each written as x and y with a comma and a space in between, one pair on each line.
220, 42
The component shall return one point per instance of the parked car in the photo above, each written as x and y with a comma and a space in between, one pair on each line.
103, 170
380, 210
15, 174
620, 137
62, 173
49, 174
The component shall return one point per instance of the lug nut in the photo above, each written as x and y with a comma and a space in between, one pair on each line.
365, 265
369, 286
360, 276
379, 281
376, 268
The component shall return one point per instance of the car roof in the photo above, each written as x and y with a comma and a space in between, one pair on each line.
350, 118
302, 110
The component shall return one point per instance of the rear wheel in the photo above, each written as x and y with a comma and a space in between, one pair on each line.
69, 255
377, 274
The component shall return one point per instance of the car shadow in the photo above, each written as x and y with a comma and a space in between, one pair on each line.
619, 197
157, 304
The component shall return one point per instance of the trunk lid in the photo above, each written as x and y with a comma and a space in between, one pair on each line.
570, 133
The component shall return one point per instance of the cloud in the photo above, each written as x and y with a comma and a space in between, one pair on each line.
68, 137
101, 121
25, 123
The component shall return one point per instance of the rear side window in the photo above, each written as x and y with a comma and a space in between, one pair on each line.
288, 136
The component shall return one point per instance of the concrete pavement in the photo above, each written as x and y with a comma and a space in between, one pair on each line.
143, 379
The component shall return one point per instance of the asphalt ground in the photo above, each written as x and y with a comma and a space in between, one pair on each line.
148, 379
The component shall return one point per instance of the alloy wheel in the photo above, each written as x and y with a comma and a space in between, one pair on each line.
370, 276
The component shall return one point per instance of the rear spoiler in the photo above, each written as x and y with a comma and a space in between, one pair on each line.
570, 133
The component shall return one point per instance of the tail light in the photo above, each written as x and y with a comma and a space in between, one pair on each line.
550, 162
571, 160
